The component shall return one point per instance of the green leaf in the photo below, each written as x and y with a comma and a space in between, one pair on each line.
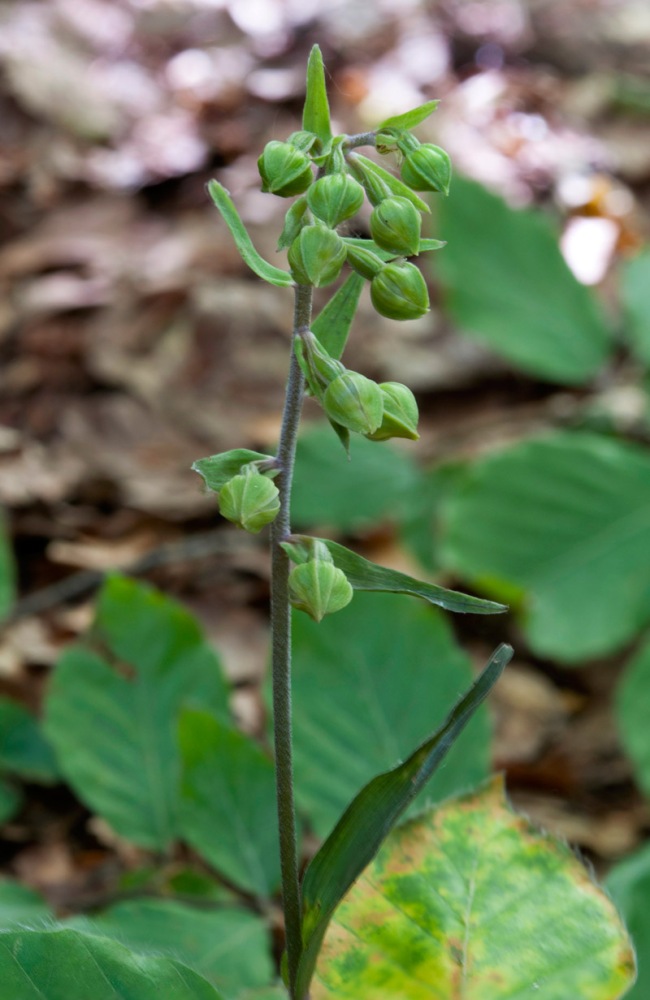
217, 470
393, 183
66, 965
23, 748
565, 517
365, 575
632, 715
386, 254
330, 490
507, 283
10, 801
230, 946
373, 813
316, 113
372, 682
410, 118
228, 810
113, 708
7, 570
20, 905
250, 256
332, 325
470, 900
629, 885
635, 295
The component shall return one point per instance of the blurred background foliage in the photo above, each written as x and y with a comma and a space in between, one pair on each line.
134, 341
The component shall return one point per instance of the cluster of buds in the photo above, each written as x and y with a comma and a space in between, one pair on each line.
351, 401
317, 586
251, 500
317, 252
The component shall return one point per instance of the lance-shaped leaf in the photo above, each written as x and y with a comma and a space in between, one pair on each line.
217, 470
471, 901
410, 118
262, 268
372, 814
386, 255
366, 575
316, 113
360, 163
67, 965
332, 325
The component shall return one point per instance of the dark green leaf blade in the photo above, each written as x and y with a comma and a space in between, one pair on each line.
316, 113
629, 885
20, 905
632, 714
522, 299
262, 268
10, 800
410, 118
216, 470
113, 704
332, 325
228, 945
635, 294
366, 575
24, 751
370, 817
229, 786
67, 965
7, 570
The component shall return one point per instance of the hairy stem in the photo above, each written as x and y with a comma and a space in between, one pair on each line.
281, 644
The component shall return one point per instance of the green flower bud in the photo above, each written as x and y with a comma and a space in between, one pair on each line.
427, 168
316, 256
354, 401
250, 500
395, 225
334, 198
399, 292
365, 262
400, 413
319, 588
284, 170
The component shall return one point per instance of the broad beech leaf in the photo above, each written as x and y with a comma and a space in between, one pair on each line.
113, 705
565, 517
10, 800
61, 964
373, 813
7, 570
23, 748
632, 714
393, 183
635, 294
268, 272
386, 254
471, 901
316, 113
330, 490
373, 681
409, 119
366, 575
229, 946
629, 885
228, 786
522, 299
217, 470
332, 325
20, 905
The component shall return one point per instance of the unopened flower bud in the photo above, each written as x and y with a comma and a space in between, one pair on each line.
364, 262
284, 170
399, 292
250, 500
319, 588
316, 256
395, 225
400, 418
334, 198
354, 401
427, 168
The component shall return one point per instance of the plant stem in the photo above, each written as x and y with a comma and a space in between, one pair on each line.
281, 644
